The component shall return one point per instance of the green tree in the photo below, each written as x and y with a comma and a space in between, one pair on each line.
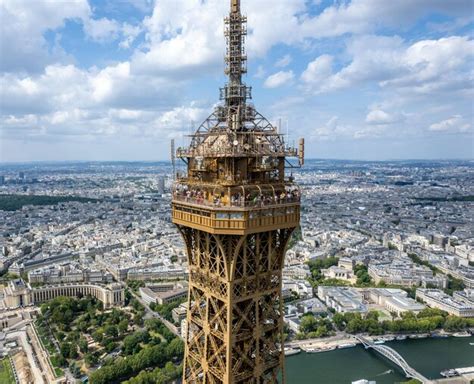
430, 312
110, 346
322, 331
98, 335
175, 348
138, 319
65, 349
339, 320
454, 323
111, 330
355, 326
308, 324
83, 345
131, 343
73, 351
90, 359
58, 360
123, 326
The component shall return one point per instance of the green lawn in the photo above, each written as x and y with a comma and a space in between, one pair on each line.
6, 372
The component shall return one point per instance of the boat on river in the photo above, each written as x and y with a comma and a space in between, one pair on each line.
419, 336
346, 345
449, 373
462, 334
323, 349
291, 351
439, 335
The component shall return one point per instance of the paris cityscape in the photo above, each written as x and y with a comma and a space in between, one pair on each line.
385, 239
313, 223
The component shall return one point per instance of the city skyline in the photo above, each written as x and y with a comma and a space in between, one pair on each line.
364, 227
101, 81
333, 211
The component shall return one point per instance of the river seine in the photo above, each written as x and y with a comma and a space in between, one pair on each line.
428, 356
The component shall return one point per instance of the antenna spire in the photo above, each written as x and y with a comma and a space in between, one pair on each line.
235, 6
235, 93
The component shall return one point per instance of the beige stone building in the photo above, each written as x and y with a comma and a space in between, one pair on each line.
20, 294
164, 293
436, 298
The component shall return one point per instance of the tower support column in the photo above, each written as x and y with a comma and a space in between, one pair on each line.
235, 327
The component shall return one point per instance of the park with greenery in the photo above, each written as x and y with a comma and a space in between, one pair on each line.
15, 202
111, 345
154, 347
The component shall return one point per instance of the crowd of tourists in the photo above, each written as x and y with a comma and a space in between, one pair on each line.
290, 194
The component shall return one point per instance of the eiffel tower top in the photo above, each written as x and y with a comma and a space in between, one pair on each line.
236, 145
236, 159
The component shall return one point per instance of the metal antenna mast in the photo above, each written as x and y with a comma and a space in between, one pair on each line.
235, 93
173, 159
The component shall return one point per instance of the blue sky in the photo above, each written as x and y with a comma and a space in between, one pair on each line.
118, 79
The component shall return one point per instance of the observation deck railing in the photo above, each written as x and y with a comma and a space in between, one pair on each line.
238, 220
240, 196
240, 203
236, 151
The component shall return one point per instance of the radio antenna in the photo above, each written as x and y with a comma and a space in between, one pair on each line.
173, 159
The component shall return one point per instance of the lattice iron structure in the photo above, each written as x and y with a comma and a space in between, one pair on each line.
236, 211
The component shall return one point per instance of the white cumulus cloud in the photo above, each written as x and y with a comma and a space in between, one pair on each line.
278, 79
380, 117
453, 124
422, 67
23, 24
317, 72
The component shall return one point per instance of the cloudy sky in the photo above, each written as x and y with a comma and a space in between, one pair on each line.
117, 79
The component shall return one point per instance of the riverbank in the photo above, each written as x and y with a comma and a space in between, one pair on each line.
323, 344
341, 366
454, 380
344, 340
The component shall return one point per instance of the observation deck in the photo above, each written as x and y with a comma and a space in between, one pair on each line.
236, 210
237, 150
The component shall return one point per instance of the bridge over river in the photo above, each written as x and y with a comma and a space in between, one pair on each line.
394, 357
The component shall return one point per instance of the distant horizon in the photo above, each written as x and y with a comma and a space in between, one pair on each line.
3, 163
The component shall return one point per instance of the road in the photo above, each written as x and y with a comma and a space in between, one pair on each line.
156, 315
